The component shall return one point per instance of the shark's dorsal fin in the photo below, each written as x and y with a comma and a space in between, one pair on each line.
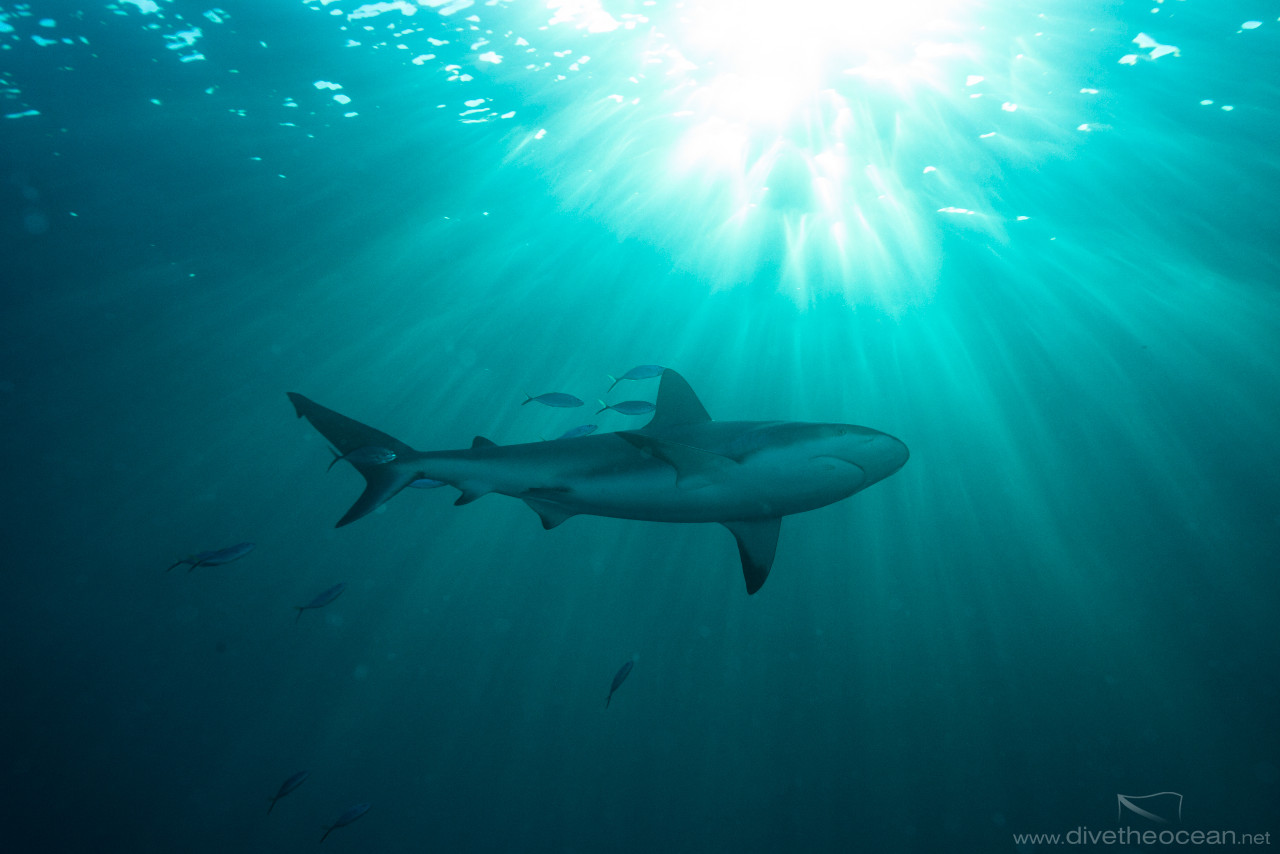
695, 467
677, 405
757, 543
482, 442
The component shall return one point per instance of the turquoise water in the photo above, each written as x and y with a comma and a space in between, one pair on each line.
1037, 248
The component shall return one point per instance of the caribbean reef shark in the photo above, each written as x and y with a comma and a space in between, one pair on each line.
681, 467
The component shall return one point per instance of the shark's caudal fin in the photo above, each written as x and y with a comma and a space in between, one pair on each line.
383, 479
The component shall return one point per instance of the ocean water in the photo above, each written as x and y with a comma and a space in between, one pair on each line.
1035, 241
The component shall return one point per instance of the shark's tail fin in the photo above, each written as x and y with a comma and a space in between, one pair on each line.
384, 474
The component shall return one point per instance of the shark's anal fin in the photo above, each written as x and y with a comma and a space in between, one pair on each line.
757, 543
694, 467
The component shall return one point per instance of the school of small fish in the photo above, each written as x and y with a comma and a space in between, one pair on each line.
370, 455
564, 400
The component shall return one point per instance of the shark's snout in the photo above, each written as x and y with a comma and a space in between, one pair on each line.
899, 452
881, 455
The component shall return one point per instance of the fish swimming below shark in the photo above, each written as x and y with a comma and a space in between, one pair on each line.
348, 816
288, 786
680, 467
321, 599
218, 557
621, 676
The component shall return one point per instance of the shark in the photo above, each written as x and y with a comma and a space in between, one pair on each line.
680, 467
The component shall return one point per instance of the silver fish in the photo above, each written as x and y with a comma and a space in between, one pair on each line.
288, 786
322, 599
618, 678
217, 557
627, 407
346, 818
372, 455
580, 430
554, 398
639, 372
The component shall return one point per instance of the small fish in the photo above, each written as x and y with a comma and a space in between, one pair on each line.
426, 483
288, 786
366, 454
618, 679
639, 372
322, 599
580, 430
216, 558
346, 818
627, 407
554, 398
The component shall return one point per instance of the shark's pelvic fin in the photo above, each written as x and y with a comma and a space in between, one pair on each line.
695, 468
550, 513
382, 480
757, 543
677, 405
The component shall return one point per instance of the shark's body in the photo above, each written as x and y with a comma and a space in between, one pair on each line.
682, 467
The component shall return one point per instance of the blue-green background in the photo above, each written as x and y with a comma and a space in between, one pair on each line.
1069, 592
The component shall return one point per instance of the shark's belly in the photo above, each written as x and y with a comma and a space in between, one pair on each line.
652, 494
607, 476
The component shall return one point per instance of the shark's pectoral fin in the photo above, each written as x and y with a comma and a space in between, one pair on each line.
695, 467
551, 514
757, 543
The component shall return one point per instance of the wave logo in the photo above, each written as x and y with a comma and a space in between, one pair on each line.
1162, 807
